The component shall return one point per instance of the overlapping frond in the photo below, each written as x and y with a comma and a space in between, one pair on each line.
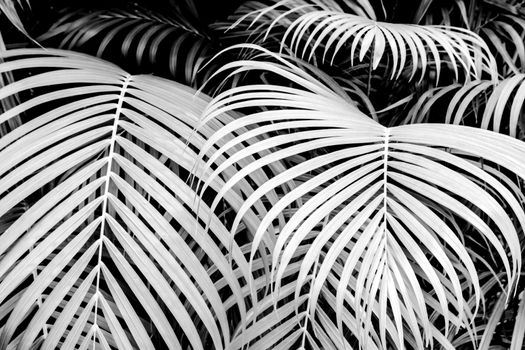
496, 106
301, 208
113, 251
314, 31
251, 21
165, 45
283, 321
382, 201
505, 37
503, 316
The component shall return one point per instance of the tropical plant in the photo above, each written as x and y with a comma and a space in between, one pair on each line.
298, 174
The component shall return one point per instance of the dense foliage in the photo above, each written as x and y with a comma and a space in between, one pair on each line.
274, 174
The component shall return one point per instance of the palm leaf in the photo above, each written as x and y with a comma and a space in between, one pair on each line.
490, 105
503, 314
372, 193
113, 253
10, 101
276, 323
153, 41
316, 30
9, 9
505, 37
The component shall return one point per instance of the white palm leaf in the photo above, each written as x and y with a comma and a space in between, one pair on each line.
502, 103
370, 189
8, 102
250, 21
283, 8
276, 322
266, 327
115, 228
408, 47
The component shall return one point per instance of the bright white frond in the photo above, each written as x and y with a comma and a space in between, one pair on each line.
375, 198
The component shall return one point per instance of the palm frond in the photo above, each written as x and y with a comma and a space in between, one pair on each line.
9, 9
496, 106
376, 195
326, 33
10, 101
505, 36
251, 21
115, 253
503, 314
165, 45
